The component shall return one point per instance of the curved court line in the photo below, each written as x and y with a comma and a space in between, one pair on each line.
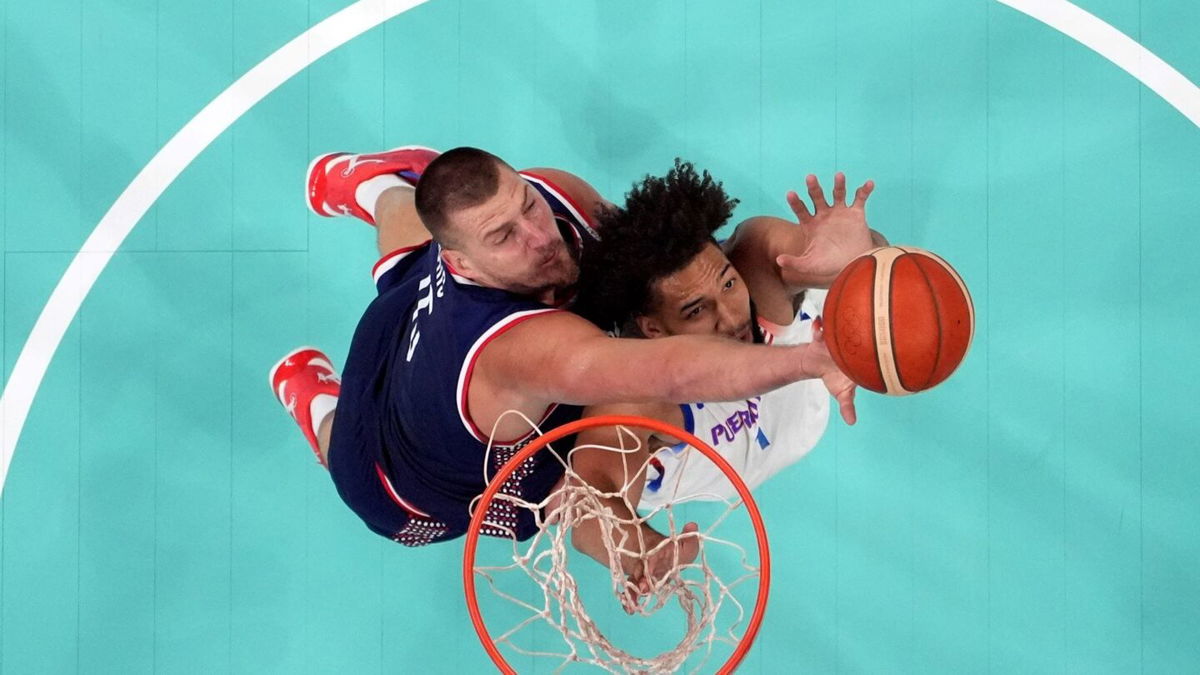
338, 29
149, 184
1122, 50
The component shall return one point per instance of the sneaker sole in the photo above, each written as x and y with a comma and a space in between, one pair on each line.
308, 181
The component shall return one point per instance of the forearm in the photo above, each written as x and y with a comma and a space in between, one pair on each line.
397, 223
720, 371
591, 368
683, 369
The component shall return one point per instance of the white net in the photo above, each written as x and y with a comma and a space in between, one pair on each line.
701, 584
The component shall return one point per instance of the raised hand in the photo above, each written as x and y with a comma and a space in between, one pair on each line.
835, 233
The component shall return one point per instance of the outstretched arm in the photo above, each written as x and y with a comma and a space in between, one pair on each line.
560, 357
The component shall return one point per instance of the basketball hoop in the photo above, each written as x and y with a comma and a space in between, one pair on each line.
699, 591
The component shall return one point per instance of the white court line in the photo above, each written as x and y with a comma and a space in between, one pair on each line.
148, 186
1117, 47
231, 104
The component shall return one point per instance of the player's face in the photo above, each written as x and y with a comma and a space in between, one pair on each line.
512, 241
705, 298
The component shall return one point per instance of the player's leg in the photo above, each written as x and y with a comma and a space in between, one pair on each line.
397, 223
376, 188
324, 432
306, 384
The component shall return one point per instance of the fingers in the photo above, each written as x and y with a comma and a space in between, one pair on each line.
846, 403
798, 206
839, 189
861, 194
631, 596
816, 193
787, 261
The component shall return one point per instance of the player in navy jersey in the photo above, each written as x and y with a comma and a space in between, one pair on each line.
659, 271
469, 326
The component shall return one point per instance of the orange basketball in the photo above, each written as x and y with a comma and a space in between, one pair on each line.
898, 320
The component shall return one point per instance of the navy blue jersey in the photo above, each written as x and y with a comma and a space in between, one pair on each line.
405, 454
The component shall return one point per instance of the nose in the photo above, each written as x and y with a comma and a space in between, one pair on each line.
536, 236
727, 318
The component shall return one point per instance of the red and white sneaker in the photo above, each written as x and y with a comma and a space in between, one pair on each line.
298, 380
333, 178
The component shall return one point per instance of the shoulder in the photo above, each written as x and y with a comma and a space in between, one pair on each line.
752, 249
543, 329
580, 193
760, 236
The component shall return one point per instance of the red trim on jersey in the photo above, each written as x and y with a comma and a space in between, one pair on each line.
387, 486
458, 276
450, 267
394, 257
769, 329
566, 196
464, 410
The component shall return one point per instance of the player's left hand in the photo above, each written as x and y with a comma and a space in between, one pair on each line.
840, 387
836, 233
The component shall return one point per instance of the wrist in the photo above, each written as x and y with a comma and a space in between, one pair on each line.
808, 365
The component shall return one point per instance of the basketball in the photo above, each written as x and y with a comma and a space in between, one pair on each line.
898, 320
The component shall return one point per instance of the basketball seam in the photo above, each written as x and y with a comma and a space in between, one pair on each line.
891, 324
937, 315
962, 284
879, 310
874, 332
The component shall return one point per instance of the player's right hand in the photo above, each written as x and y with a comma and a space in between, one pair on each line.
837, 233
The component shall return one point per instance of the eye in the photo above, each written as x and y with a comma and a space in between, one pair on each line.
693, 312
729, 284
529, 206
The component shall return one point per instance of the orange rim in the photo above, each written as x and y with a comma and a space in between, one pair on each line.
760, 531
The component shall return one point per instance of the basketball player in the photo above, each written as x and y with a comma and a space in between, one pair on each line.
469, 326
659, 272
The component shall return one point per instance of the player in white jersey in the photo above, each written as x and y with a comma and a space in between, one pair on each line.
659, 271
759, 437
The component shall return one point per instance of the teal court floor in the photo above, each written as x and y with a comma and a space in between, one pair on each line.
1039, 512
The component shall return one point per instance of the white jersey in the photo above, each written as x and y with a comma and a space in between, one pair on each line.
759, 437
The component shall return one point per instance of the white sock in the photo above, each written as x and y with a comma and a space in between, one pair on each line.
319, 409
367, 193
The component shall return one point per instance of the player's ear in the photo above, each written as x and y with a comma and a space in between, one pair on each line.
458, 261
649, 327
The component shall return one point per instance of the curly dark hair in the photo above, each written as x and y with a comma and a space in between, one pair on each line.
665, 223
